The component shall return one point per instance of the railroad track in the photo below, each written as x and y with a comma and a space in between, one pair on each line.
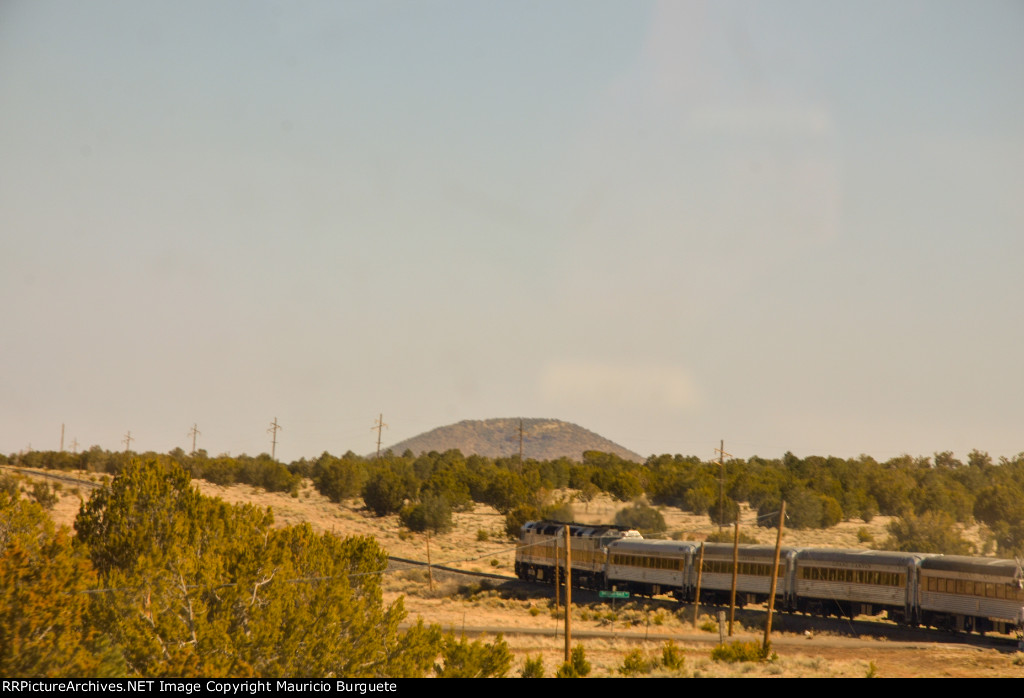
57, 475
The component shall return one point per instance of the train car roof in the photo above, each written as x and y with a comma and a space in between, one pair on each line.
636, 545
978, 565
748, 550
884, 557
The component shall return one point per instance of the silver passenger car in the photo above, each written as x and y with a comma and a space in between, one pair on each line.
650, 567
854, 582
972, 593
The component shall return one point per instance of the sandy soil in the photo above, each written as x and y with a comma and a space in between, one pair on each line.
608, 634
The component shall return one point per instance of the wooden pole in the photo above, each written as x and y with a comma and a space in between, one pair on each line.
700, 574
558, 588
568, 594
775, 577
735, 571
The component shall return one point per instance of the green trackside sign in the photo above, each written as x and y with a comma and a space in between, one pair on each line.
613, 594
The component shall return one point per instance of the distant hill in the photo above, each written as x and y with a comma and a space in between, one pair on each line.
543, 439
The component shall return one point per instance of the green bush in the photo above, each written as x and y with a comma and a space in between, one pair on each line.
728, 536
727, 512
672, 657
577, 666
433, 514
533, 668
515, 519
384, 492
741, 652
635, 664
932, 532
476, 660
338, 479
42, 493
643, 518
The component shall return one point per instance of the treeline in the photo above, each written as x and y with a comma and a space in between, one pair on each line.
929, 495
161, 581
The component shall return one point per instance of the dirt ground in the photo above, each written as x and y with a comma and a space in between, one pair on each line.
608, 634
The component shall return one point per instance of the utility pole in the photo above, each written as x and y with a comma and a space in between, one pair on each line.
696, 594
274, 427
735, 570
74, 445
568, 594
62, 437
775, 577
379, 425
558, 588
721, 482
194, 432
127, 440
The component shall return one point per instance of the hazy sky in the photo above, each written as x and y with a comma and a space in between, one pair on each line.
789, 225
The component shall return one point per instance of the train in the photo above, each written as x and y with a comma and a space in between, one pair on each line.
951, 592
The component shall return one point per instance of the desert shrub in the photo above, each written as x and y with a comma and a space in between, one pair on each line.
577, 666
9, 484
932, 532
384, 492
728, 536
644, 518
864, 535
42, 493
741, 652
518, 516
266, 473
804, 509
831, 511
635, 663
533, 668
337, 479
671, 656
559, 511
433, 514
477, 660
220, 471
724, 512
